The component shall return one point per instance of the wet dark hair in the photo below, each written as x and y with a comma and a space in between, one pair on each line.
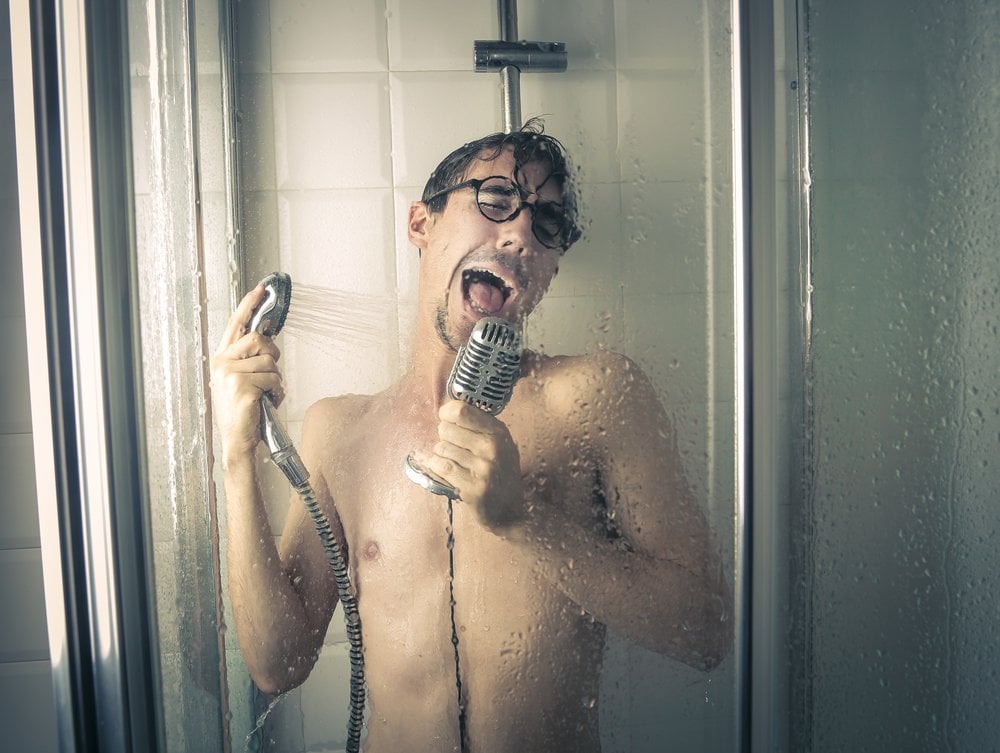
530, 145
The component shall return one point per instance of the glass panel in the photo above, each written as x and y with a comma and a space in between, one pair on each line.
338, 118
896, 622
171, 213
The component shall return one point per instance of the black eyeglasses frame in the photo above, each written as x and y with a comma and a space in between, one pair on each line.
570, 232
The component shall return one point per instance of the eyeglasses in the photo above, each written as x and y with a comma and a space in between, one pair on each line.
500, 199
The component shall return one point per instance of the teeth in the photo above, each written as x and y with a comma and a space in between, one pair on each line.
472, 275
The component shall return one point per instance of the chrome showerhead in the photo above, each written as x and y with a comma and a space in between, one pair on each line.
269, 317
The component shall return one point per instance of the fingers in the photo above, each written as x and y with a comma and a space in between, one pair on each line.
245, 360
461, 460
472, 442
250, 346
466, 426
244, 369
467, 416
240, 318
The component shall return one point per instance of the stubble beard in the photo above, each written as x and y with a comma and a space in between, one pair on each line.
441, 327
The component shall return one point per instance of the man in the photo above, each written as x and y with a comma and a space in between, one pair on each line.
573, 515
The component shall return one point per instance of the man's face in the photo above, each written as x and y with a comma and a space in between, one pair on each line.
473, 267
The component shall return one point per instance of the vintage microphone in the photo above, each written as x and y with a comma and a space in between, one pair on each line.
483, 375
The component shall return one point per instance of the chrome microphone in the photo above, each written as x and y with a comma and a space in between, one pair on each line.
487, 366
485, 371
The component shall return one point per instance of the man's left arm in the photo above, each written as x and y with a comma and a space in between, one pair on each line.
654, 573
657, 578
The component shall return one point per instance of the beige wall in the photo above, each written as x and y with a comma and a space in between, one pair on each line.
27, 714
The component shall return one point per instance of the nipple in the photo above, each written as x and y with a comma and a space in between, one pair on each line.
371, 551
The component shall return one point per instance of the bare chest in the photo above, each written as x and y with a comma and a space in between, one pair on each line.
392, 525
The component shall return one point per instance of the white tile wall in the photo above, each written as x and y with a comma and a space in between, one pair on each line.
437, 35
331, 130
662, 119
18, 513
27, 711
23, 634
323, 233
434, 112
588, 30
314, 36
580, 108
16, 416
326, 699
660, 36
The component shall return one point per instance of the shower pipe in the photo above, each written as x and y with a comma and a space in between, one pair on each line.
512, 57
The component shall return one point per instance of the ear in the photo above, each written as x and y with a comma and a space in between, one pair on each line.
418, 224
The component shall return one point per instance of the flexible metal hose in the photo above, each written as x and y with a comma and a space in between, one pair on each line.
335, 556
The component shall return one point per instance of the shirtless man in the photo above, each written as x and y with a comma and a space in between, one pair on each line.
574, 512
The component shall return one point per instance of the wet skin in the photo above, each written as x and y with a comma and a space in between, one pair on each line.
574, 515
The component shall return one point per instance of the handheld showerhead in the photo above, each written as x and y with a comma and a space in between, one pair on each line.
268, 319
269, 316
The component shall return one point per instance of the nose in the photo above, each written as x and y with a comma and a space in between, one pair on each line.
518, 231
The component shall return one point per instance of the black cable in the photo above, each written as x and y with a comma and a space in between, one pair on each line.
454, 625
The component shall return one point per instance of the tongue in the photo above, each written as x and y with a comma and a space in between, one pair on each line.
486, 297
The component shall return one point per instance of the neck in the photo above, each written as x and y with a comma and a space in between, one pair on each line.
430, 364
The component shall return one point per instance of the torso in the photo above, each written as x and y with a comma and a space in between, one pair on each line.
529, 657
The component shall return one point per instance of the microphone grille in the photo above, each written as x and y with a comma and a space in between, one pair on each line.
487, 366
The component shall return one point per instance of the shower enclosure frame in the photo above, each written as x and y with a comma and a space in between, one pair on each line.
86, 384
77, 231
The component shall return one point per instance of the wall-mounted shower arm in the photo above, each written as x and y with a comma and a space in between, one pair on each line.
525, 56
512, 57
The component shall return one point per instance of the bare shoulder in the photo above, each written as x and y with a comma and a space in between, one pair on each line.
330, 420
598, 380
338, 410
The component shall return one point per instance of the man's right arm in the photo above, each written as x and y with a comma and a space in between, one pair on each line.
281, 604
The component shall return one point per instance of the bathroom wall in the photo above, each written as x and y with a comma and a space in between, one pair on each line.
27, 713
344, 109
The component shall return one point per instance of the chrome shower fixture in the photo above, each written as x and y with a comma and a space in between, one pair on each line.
492, 55
512, 57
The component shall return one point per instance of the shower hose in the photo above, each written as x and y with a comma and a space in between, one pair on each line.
268, 319
335, 556
286, 457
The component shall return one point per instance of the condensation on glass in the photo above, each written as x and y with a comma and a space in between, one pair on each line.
894, 612
326, 106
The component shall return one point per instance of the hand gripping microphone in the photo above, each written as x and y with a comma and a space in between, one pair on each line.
483, 375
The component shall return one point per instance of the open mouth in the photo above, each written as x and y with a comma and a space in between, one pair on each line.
486, 292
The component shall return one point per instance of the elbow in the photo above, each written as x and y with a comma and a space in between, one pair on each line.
274, 681
704, 638
715, 645
276, 669
716, 631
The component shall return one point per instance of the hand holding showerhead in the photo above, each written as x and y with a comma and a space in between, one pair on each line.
268, 320
243, 368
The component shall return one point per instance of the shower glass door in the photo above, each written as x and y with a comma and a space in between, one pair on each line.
276, 136
892, 514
